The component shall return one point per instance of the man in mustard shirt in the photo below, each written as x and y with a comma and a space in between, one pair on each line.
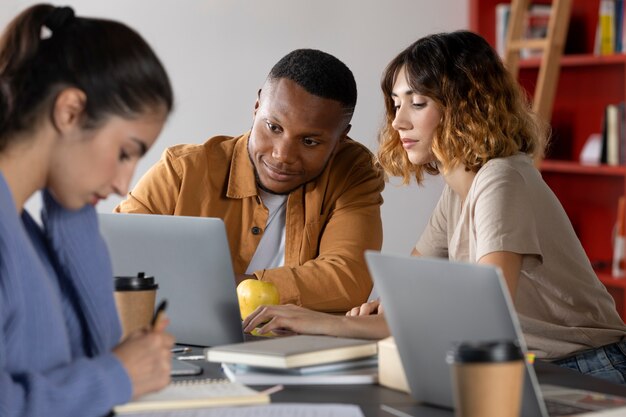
299, 198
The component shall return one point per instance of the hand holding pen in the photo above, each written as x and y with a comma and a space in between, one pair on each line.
159, 320
146, 355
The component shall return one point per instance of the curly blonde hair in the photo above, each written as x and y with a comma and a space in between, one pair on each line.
485, 113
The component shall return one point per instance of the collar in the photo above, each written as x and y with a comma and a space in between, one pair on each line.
241, 181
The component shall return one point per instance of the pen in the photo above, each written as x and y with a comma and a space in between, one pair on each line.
272, 390
181, 349
191, 358
158, 312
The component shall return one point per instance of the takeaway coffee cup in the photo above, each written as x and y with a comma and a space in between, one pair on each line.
487, 379
134, 298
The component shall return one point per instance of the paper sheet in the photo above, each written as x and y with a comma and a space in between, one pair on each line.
270, 410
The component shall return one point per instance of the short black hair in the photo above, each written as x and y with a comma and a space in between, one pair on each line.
320, 74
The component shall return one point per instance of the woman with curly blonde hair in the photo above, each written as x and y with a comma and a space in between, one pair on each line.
484, 113
453, 109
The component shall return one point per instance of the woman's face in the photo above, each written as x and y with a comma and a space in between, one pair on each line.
89, 165
416, 120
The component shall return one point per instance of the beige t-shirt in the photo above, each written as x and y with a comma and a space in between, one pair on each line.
562, 306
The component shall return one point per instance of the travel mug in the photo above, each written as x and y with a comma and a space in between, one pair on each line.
135, 297
487, 379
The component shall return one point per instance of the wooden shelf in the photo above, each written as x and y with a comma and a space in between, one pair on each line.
612, 281
587, 84
580, 60
554, 166
617, 288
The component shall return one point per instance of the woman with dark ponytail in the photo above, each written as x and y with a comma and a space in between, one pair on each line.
81, 100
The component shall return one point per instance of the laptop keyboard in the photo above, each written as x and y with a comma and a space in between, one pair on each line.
556, 408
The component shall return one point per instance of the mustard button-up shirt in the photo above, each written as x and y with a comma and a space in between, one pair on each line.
330, 221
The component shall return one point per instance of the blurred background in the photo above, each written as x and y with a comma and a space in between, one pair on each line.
218, 53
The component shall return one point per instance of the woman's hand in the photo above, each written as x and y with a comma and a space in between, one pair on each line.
292, 318
146, 355
365, 309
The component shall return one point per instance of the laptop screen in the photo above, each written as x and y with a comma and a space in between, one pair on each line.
190, 260
433, 304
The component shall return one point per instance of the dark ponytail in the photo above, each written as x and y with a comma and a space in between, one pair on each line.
47, 48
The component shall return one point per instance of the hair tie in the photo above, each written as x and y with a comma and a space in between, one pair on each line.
59, 18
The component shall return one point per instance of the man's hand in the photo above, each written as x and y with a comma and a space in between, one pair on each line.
365, 309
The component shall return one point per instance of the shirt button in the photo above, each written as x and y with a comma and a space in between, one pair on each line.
256, 230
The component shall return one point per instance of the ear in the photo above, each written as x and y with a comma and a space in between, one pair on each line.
346, 131
69, 107
257, 103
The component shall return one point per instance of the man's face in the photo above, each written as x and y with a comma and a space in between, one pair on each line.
294, 134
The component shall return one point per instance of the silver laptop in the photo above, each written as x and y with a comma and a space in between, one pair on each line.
190, 259
431, 304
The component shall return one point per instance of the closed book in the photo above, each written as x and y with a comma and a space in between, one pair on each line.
292, 351
503, 10
612, 134
350, 375
619, 25
390, 370
183, 395
605, 36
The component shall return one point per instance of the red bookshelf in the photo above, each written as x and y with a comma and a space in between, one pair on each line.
587, 84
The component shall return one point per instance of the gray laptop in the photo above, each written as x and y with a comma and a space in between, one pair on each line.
431, 304
190, 260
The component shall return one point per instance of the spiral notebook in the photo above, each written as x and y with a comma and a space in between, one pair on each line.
199, 393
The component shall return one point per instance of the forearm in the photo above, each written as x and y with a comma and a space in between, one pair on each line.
363, 327
304, 321
337, 279
331, 285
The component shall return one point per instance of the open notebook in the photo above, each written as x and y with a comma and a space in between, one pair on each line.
198, 393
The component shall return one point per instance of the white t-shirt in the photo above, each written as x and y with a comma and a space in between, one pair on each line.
271, 250
562, 306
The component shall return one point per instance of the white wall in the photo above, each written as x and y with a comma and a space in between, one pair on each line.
218, 53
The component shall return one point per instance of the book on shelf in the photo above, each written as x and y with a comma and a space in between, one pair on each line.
614, 135
619, 25
199, 393
292, 351
536, 22
605, 33
503, 10
358, 371
610, 33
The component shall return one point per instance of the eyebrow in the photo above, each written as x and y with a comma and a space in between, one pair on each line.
142, 146
406, 93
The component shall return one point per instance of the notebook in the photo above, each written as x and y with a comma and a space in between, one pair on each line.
431, 304
190, 260
293, 351
183, 395
184, 368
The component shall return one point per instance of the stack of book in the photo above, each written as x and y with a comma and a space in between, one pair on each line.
301, 359
610, 36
